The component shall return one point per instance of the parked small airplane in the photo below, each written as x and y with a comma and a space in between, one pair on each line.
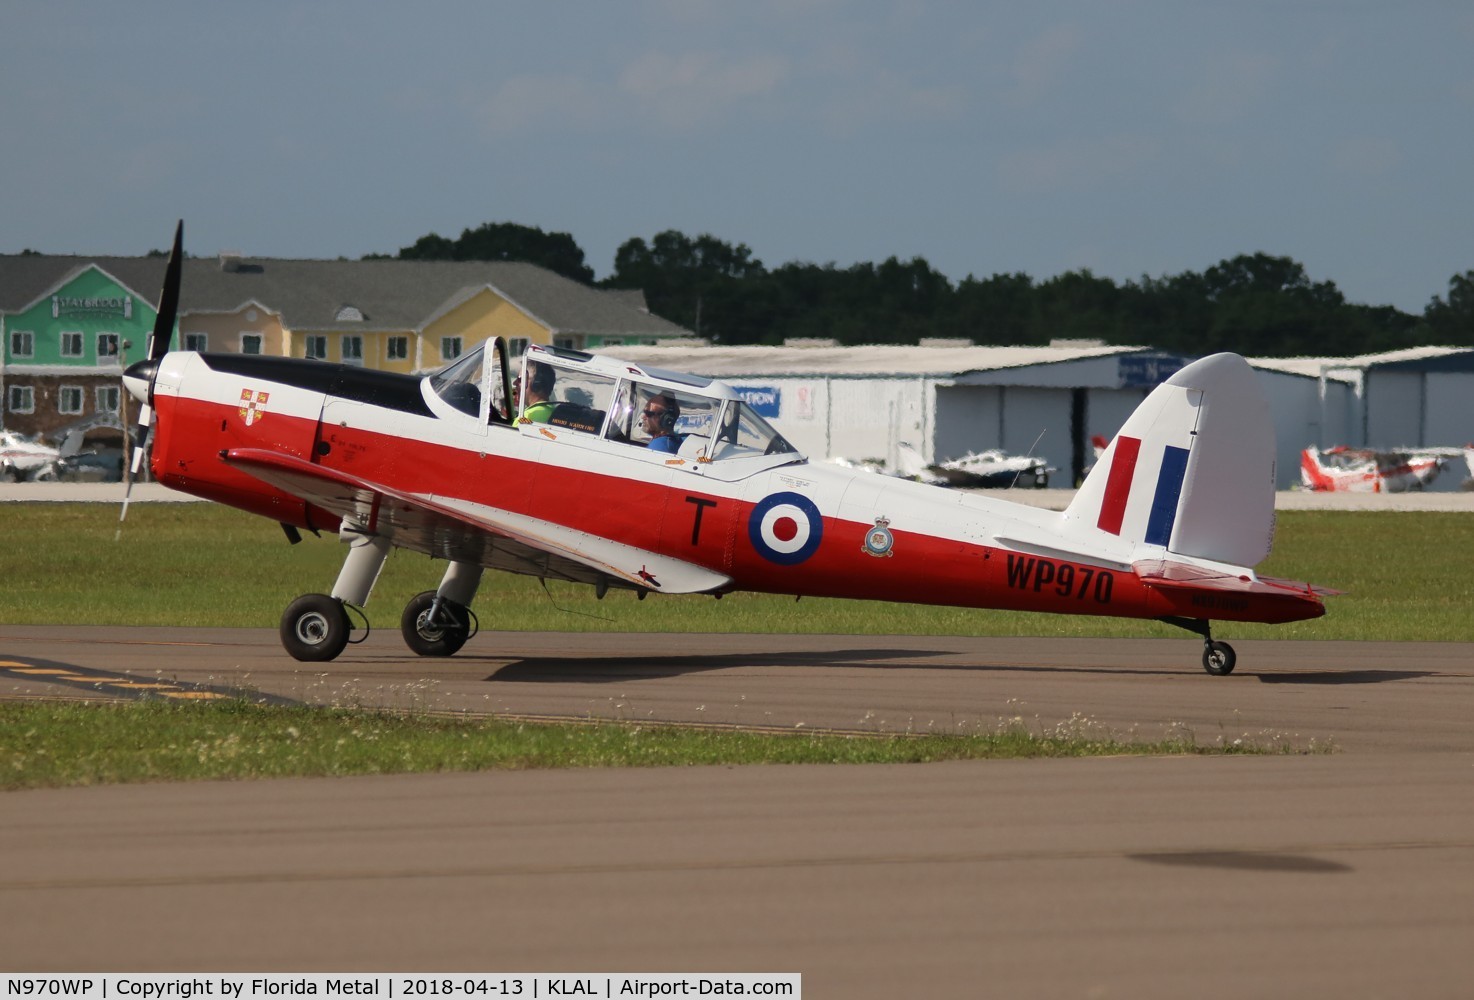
23, 458
634, 478
1365, 470
991, 469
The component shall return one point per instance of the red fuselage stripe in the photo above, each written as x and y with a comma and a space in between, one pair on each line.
1118, 485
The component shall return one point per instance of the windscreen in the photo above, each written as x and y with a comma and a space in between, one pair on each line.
458, 383
745, 434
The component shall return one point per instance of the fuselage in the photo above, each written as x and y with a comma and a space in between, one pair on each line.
771, 523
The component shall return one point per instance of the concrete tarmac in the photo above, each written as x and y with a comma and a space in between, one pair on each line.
1307, 875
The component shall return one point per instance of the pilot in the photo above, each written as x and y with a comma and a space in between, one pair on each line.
536, 406
658, 419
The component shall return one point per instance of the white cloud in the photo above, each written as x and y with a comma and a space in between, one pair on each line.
692, 87
1227, 88
656, 90
1039, 65
1367, 156
525, 103
1075, 165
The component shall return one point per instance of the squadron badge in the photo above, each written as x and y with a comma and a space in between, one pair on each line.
878, 540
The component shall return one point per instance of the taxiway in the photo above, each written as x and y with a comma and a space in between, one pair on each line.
1349, 873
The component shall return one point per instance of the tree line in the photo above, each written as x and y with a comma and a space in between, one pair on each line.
1258, 305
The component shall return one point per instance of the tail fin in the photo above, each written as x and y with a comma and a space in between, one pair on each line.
1192, 470
909, 460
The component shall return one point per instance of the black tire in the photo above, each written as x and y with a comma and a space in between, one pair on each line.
440, 638
1218, 658
315, 628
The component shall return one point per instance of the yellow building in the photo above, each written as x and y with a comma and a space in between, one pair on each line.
405, 316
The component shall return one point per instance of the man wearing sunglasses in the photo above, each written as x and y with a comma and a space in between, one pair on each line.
658, 419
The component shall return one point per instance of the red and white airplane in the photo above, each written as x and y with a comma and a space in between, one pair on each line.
653, 481
1366, 470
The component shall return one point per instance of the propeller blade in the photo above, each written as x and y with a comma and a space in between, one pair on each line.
158, 342
145, 418
158, 346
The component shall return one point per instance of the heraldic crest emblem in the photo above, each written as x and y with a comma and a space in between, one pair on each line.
253, 405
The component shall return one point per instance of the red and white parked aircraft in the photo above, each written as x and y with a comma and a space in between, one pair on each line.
640, 479
1366, 470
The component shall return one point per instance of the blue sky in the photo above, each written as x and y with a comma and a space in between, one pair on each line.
1130, 137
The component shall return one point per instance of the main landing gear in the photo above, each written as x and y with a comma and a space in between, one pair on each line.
1218, 657
316, 627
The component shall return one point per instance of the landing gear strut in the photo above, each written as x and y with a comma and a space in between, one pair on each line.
438, 622
315, 627
1218, 657
435, 626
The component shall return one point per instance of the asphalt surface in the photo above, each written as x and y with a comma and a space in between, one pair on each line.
1327, 874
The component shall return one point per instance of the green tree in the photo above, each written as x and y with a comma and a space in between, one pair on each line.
704, 284
1451, 321
557, 252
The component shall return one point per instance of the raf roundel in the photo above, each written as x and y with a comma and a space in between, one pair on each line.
785, 528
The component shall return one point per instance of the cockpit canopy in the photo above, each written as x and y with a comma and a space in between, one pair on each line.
697, 418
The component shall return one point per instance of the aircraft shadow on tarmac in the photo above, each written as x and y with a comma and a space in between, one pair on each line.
554, 669
627, 668
1345, 676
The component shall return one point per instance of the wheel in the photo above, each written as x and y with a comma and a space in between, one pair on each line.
315, 627
442, 637
1218, 658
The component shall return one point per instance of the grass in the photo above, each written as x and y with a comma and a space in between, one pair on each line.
58, 744
1407, 577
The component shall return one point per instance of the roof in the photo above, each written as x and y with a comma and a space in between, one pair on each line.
308, 294
875, 359
1351, 369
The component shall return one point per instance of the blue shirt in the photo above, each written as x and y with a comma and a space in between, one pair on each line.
666, 442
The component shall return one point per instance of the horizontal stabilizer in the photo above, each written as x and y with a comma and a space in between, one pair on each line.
1173, 575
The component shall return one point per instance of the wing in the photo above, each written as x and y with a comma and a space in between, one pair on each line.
452, 528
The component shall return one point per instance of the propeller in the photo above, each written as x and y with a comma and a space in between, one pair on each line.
139, 378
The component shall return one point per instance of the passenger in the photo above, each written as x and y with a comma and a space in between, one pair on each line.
537, 407
658, 419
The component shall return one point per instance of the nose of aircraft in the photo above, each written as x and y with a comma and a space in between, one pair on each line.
139, 377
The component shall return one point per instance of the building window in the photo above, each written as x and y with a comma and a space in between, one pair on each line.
398, 348
450, 348
107, 398
517, 346
22, 344
107, 346
250, 343
71, 344
196, 342
567, 342
353, 350
315, 348
69, 399
22, 399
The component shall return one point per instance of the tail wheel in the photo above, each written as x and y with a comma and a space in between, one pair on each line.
314, 628
440, 634
1218, 658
